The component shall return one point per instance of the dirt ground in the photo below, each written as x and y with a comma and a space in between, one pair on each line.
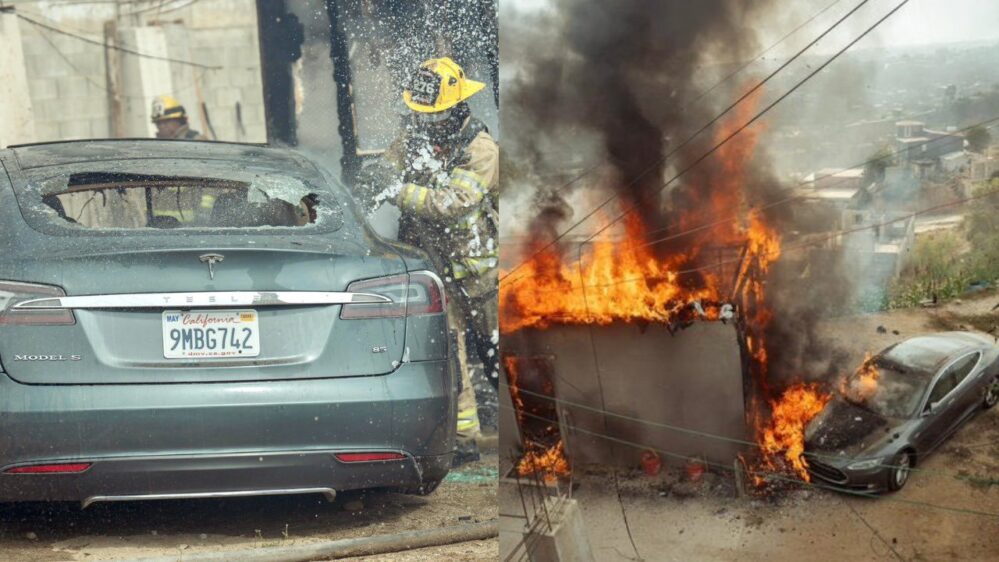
931, 519
49, 532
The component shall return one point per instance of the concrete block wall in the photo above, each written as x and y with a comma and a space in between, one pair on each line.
66, 77
236, 51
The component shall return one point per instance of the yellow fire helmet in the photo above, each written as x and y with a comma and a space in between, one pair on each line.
167, 107
439, 85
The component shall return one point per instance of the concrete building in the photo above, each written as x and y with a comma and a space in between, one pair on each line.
77, 88
838, 178
17, 122
919, 145
984, 166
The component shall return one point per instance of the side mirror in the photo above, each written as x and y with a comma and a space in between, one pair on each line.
931, 408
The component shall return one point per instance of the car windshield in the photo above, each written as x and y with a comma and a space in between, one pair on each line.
136, 196
887, 388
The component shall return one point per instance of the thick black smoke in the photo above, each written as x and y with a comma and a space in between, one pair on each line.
621, 70
620, 83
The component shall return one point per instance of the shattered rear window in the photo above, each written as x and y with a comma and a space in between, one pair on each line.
175, 194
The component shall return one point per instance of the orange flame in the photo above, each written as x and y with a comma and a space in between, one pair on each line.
784, 436
618, 281
548, 461
864, 382
624, 280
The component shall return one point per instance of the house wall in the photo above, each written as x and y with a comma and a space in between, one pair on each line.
691, 379
67, 77
16, 118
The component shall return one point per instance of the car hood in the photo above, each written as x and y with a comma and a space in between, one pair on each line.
845, 428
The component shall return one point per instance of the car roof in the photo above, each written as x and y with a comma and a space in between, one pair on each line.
32, 156
928, 353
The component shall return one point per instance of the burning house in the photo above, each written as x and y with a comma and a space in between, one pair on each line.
652, 329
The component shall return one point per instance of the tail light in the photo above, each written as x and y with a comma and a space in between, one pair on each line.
13, 293
63, 468
412, 294
368, 457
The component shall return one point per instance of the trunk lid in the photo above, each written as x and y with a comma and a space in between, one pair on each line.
114, 346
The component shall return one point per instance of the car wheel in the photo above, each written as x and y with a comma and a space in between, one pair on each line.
991, 394
899, 474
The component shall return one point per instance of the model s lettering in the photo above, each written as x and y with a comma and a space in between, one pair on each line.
132, 366
925, 388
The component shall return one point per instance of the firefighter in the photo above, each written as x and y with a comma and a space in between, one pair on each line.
171, 120
442, 173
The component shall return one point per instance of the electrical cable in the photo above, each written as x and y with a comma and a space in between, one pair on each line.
765, 51
114, 47
770, 476
704, 434
603, 404
587, 171
875, 532
759, 115
806, 241
991, 122
715, 119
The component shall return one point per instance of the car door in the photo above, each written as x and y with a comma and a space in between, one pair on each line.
964, 399
934, 417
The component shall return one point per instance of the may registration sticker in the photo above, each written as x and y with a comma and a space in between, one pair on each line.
210, 334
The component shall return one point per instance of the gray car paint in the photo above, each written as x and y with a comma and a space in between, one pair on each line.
919, 434
319, 388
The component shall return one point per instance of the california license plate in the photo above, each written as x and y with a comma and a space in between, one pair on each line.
210, 334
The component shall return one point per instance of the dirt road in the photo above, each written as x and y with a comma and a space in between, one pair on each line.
38, 532
941, 515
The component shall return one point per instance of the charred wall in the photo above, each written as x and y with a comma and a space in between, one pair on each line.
692, 378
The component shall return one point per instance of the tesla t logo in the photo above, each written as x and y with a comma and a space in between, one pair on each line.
211, 260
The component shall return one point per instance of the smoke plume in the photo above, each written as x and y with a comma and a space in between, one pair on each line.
620, 84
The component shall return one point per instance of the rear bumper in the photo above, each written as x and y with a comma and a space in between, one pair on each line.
221, 476
227, 438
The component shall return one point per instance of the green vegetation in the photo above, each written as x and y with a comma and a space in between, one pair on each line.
978, 139
874, 170
945, 265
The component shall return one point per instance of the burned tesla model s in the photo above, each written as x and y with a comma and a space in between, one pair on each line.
902, 405
182, 319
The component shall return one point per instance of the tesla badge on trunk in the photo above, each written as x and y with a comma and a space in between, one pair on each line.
211, 260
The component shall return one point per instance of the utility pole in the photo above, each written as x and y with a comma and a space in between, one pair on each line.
113, 79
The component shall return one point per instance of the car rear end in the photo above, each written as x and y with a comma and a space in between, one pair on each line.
188, 358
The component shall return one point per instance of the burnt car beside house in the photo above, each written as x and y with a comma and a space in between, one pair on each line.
183, 319
921, 391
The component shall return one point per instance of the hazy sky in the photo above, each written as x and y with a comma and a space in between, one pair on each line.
919, 22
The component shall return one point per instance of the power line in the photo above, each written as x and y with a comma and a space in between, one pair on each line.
603, 404
103, 87
875, 532
756, 117
990, 122
767, 50
160, 8
690, 431
707, 125
70, 63
801, 243
115, 47
726, 78
770, 476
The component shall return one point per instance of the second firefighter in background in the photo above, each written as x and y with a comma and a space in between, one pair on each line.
442, 172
